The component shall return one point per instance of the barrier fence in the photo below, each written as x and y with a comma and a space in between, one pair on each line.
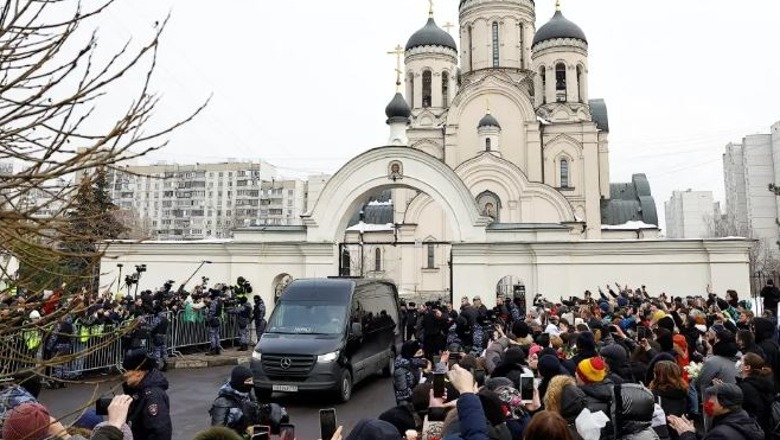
103, 347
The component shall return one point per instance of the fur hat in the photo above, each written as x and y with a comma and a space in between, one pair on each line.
28, 421
592, 370
217, 433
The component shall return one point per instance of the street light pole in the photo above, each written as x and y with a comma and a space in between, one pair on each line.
196, 271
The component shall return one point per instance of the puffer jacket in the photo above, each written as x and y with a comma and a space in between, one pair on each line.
633, 412
599, 397
230, 409
406, 377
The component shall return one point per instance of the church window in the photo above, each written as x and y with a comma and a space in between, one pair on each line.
471, 52
522, 44
426, 88
495, 45
445, 89
564, 173
431, 255
579, 84
377, 259
411, 89
560, 82
543, 76
488, 144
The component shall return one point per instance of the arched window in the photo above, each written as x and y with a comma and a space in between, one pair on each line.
377, 259
579, 84
445, 89
426, 89
495, 45
470, 49
543, 76
489, 205
431, 256
411, 89
560, 82
522, 45
564, 173
488, 144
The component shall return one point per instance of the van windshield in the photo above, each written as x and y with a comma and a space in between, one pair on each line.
307, 318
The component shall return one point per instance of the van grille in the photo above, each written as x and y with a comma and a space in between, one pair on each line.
290, 365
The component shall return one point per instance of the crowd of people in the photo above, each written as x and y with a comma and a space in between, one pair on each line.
61, 324
619, 365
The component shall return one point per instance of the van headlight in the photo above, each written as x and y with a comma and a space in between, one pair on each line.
328, 357
256, 355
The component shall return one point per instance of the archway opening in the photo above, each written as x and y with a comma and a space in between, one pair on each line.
280, 283
511, 288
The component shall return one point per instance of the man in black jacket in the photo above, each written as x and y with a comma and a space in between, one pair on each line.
771, 295
235, 405
149, 416
730, 422
764, 330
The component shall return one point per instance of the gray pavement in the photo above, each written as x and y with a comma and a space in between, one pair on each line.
192, 392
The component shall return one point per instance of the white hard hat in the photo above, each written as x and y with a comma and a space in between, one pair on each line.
35, 315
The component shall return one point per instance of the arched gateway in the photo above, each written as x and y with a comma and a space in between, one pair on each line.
388, 167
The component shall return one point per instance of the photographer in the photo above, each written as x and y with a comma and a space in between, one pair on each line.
149, 416
235, 407
242, 288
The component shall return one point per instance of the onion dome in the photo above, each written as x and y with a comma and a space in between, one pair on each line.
431, 35
488, 121
398, 108
559, 27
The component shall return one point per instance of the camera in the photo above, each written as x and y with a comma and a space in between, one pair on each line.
101, 405
271, 414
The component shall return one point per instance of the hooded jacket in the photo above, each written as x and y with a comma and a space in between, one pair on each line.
721, 365
512, 366
149, 415
495, 354
758, 397
599, 397
231, 409
406, 377
765, 331
735, 425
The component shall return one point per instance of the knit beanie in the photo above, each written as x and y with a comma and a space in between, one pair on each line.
549, 366
586, 342
680, 341
622, 302
535, 349
658, 315
514, 356
592, 370
400, 417
28, 421
664, 339
238, 377
666, 322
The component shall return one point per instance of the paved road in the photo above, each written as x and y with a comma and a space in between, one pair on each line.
192, 392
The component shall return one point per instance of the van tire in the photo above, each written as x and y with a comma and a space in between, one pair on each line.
389, 368
263, 395
344, 388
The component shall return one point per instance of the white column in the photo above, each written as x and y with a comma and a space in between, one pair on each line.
418, 91
584, 85
436, 100
571, 84
538, 90
550, 86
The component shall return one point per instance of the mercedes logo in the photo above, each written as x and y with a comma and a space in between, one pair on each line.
285, 363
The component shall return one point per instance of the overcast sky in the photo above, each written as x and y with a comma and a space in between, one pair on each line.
303, 84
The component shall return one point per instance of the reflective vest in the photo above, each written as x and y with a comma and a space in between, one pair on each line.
32, 339
97, 330
83, 333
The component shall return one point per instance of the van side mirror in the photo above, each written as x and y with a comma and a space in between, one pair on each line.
356, 331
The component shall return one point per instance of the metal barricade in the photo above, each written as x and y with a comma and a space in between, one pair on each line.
101, 351
15, 356
188, 330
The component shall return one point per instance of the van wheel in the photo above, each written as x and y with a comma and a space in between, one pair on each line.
345, 387
263, 395
389, 369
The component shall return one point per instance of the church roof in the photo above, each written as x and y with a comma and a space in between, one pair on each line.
598, 111
559, 27
398, 108
377, 211
431, 35
488, 121
629, 202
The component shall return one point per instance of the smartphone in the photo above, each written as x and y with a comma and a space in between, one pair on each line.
286, 431
101, 406
527, 388
436, 360
327, 423
438, 385
641, 332
261, 432
479, 376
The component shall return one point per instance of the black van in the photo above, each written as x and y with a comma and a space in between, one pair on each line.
328, 334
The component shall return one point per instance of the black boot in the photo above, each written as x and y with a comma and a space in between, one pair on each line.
243, 347
211, 352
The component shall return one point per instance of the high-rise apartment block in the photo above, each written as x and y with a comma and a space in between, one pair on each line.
689, 214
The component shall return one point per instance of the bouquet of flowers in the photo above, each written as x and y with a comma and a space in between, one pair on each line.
693, 369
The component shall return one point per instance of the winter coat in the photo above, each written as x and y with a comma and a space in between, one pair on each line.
633, 412
511, 372
661, 356
599, 397
406, 377
674, 402
758, 394
765, 333
149, 415
232, 409
495, 354
471, 416
105, 433
735, 425
722, 366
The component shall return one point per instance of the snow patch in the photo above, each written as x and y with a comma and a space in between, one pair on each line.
629, 226
371, 227
378, 203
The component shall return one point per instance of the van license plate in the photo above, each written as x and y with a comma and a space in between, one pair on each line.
285, 388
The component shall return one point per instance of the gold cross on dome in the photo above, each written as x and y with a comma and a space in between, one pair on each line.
557, 5
398, 51
430, 10
448, 26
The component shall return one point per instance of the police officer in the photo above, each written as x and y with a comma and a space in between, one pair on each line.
214, 322
158, 328
242, 289
60, 344
149, 417
258, 314
243, 317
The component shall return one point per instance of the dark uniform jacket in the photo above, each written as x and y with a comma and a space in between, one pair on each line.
149, 416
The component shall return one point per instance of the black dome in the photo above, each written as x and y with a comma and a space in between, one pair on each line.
559, 27
398, 108
488, 121
431, 35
